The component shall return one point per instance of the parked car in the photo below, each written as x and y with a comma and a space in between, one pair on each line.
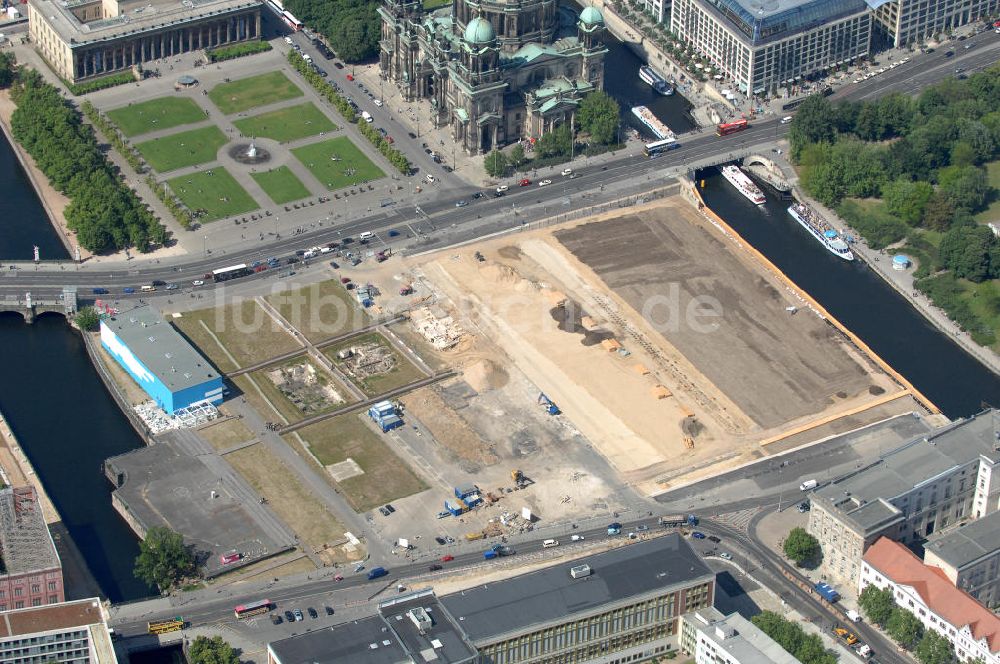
329, 610
524, 182
439, 540
378, 102
312, 613
726, 556
276, 619
389, 507
502, 188
298, 615
384, 511
289, 616
171, 286
197, 282
350, 78
567, 171
698, 535
339, 65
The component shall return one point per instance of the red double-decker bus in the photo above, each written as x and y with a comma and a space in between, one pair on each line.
732, 127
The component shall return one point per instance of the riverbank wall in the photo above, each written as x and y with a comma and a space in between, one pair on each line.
689, 191
16, 470
109, 382
53, 202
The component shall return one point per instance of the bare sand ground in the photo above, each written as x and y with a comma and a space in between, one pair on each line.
747, 374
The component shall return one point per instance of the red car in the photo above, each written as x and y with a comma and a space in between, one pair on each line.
350, 78
525, 182
447, 558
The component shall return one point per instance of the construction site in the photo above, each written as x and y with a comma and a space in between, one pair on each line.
306, 388
648, 339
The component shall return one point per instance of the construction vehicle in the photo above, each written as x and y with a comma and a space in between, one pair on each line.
520, 479
548, 404
472, 537
846, 635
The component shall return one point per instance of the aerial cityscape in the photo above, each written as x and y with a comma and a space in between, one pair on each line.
500, 331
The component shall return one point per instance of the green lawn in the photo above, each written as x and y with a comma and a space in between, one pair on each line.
252, 92
156, 114
386, 477
287, 124
992, 212
337, 163
320, 311
187, 148
281, 185
214, 193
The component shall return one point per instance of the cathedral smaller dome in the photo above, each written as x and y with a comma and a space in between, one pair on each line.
479, 31
591, 16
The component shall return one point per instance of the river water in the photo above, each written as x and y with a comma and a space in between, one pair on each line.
853, 293
23, 222
68, 424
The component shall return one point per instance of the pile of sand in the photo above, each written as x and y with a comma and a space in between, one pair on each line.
505, 274
485, 375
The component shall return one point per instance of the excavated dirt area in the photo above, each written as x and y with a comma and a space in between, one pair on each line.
663, 343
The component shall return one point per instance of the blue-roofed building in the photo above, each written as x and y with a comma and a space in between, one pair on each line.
495, 71
765, 46
163, 363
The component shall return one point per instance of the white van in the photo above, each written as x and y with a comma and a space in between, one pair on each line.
148, 289
367, 116
808, 484
549, 543
786, 119
310, 253
366, 235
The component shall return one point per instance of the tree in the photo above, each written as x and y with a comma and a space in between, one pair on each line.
877, 603
904, 627
163, 558
598, 116
907, 199
204, 650
814, 123
807, 648
934, 649
88, 319
938, 212
352, 26
968, 250
800, 546
556, 143
966, 186
8, 69
516, 156
496, 164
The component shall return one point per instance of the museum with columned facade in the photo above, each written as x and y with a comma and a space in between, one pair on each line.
85, 39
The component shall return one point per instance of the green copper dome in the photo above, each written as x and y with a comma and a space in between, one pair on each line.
591, 16
479, 31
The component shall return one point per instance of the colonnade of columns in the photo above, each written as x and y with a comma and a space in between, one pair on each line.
133, 50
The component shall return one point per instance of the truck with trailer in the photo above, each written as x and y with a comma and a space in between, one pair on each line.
678, 520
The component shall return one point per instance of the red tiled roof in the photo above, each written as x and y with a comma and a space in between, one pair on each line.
898, 564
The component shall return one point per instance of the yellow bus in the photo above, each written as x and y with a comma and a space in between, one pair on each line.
164, 626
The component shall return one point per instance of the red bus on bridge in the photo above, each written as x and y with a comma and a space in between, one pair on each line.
732, 127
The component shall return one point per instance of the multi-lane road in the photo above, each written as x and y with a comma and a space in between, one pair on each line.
438, 222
